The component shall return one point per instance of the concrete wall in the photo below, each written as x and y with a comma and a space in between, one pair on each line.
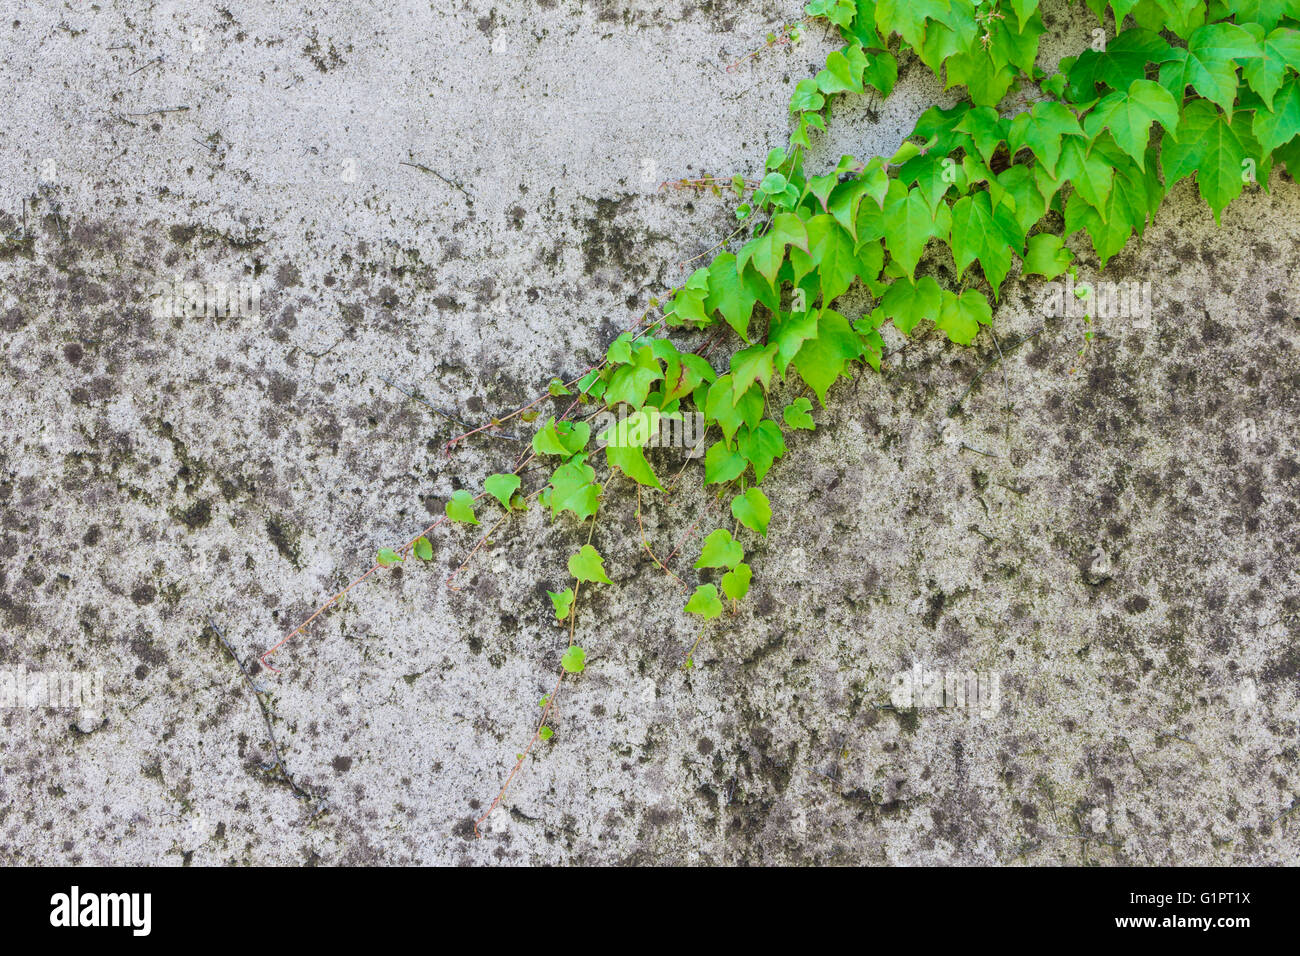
1112, 535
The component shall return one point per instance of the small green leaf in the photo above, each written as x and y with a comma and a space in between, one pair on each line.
796, 414
753, 510
388, 557
735, 584
562, 602
705, 602
502, 488
574, 660
423, 549
720, 551
1047, 256
546, 733
461, 507
588, 565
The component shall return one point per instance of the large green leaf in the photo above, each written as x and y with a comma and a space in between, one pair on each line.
1129, 115
1215, 148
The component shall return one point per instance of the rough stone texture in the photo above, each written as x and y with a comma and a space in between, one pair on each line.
1121, 550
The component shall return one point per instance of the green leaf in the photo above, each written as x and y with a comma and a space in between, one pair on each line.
821, 360
502, 488
911, 225
1041, 130
1129, 116
1047, 256
980, 232
624, 441
686, 308
1124, 60
1281, 50
728, 295
631, 383
705, 602
730, 410
588, 565
546, 733
1273, 129
557, 388
388, 557
1209, 64
907, 303
961, 316
735, 584
573, 488
832, 251
562, 438
461, 507
762, 446
751, 365
1266, 13
562, 602
574, 660
753, 510
1213, 147
796, 414
422, 548
722, 464
720, 551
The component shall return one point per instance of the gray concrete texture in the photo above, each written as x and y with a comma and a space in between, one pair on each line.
1119, 549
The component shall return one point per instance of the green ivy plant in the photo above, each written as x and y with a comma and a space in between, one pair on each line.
1183, 88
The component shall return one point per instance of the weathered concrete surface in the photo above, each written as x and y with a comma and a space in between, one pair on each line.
1123, 556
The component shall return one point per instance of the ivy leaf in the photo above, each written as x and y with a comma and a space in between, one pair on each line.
753, 510
705, 602
461, 507
631, 383
574, 660
1110, 227
1266, 13
1124, 60
720, 551
751, 365
789, 332
1278, 127
1208, 64
1213, 147
687, 376
562, 438
588, 565
978, 232
1047, 256
562, 602
731, 411
1265, 74
502, 488
545, 733
624, 441
796, 414
557, 388
423, 548
911, 225
728, 295
961, 316
722, 464
832, 251
986, 128
873, 181
843, 72
821, 360
686, 307
762, 446
573, 488
907, 303
767, 252
1089, 173
1129, 116
1042, 129
388, 557
735, 584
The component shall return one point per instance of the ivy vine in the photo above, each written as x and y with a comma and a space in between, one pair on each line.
1183, 88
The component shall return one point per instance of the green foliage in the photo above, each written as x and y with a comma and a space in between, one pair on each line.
460, 507
562, 602
574, 660
502, 488
387, 558
422, 548
588, 565
705, 602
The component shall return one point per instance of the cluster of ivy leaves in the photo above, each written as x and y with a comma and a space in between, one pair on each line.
1181, 88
